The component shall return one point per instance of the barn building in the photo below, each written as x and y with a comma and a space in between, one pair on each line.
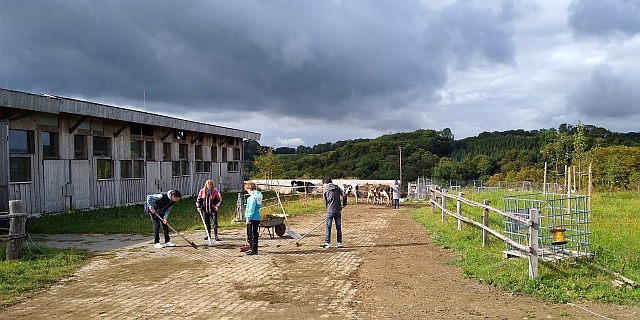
64, 154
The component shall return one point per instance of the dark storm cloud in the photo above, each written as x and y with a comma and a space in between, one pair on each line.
607, 93
303, 59
605, 17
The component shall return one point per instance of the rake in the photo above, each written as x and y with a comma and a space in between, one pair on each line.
176, 231
297, 242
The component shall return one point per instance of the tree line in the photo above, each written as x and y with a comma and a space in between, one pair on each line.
514, 155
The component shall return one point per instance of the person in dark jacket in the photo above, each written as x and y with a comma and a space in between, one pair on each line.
158, 207
207, 203
331, 195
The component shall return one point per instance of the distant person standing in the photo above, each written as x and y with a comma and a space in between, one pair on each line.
207, 203
331, 195
158, 207
252, 215
397, 189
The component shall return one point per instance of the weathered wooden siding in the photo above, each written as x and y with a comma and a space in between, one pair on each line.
4, 165
57, 173
132, 191
83, 182
69, 183
104, 193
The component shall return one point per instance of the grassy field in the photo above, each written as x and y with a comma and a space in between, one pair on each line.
615, 239
132, 219
37, 268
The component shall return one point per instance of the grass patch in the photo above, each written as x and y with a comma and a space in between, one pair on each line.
132, 219
614, 235
36, 269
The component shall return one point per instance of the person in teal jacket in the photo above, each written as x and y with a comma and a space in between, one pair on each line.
252, 216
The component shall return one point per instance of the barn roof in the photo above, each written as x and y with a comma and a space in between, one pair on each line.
54, 104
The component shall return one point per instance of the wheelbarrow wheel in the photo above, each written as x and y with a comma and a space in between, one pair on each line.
280, 229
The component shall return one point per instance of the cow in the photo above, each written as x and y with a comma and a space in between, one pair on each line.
350, 189
302, 186
383, 193
371, 192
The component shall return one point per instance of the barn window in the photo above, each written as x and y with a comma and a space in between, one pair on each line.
131, 169
184, 168
183, 151
224, 154
149, 151
20, 169
214, 154
175, 168
140, 129
104, 169
20, 146
20, 142
203, 166
236, 154
232, 166
166, 151
198, 152
50, 145
79, 146
136, 149
179, 135
179, 168
101, 146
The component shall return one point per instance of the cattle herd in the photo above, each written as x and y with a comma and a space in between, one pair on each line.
376, 193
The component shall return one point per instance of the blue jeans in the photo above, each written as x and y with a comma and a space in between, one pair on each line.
329, 220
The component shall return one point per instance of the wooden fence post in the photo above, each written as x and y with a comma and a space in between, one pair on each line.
459, 210
17, 226
444, 207
533, 244
433, 200
485, 222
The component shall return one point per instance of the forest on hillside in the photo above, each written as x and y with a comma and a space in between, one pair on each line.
515, 155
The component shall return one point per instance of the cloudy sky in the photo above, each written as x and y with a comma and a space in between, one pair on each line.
303, 72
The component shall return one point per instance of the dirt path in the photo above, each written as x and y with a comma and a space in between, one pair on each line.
389, 269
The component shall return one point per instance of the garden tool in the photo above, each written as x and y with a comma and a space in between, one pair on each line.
176, 231
297, 242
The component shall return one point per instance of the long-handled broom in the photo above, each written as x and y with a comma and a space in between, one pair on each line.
176, 231
297, 242
205, 228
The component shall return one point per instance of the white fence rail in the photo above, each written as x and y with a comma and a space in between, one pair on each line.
439, 200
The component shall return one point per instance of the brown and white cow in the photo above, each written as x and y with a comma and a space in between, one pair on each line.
383, 193
371, 192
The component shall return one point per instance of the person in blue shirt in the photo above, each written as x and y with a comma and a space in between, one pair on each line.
252, 216
160, 204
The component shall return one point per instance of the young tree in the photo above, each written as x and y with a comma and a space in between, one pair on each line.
268, 164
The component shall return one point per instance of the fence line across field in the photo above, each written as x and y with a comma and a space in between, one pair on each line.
531, 247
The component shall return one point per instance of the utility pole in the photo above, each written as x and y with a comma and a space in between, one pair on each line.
400, 164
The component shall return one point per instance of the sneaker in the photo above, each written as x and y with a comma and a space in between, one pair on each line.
339, 244
325, 246
170, 244
207, 238
157, 246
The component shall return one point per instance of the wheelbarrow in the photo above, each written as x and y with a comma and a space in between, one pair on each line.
274, 225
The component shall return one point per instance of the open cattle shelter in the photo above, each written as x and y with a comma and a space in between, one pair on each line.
63, 154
